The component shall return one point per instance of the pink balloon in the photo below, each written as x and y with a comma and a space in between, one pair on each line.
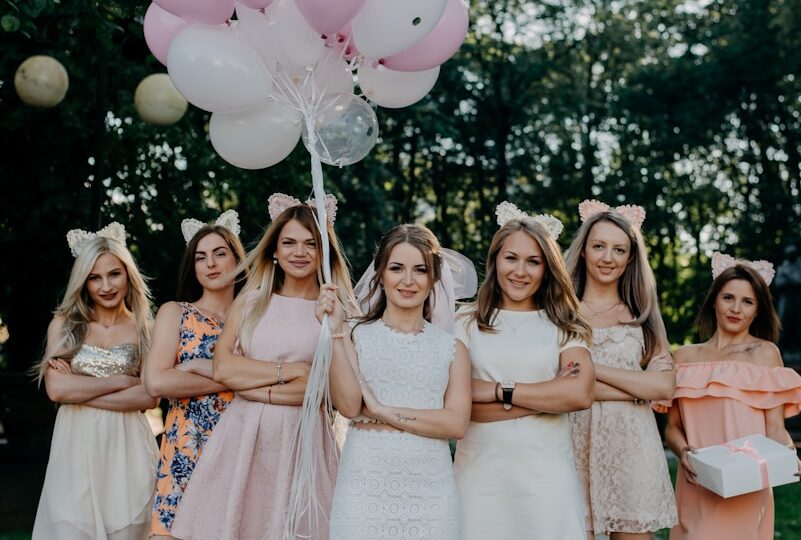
343, 38
202, 11
256, 4
328, 16
439, 45
161, 27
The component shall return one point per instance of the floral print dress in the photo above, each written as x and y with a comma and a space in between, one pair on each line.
189, 421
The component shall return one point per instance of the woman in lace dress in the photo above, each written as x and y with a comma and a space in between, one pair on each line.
179, 362
618, 450
240, 488
102, 468
406, 384
514, 468
730, 386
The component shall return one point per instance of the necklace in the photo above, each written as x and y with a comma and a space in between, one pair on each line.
600, 311
515, 327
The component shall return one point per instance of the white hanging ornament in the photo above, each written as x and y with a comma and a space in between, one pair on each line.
158, 102
41, 81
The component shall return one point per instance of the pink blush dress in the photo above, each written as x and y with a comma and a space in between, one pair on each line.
240, 487
721, 401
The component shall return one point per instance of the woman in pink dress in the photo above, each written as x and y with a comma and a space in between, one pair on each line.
730, 386
241, 486
616, 442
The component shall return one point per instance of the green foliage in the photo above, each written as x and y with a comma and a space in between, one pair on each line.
691, 110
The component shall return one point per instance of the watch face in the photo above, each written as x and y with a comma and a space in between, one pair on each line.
506, 383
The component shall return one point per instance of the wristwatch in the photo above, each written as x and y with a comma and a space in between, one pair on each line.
508, 387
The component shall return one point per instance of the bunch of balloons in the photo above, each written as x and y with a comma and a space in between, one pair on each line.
273, 71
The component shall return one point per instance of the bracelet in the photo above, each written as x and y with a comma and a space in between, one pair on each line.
280, 379
340, 335
269, 394
497, 387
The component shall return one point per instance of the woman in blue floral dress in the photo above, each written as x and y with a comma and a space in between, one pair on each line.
179, 362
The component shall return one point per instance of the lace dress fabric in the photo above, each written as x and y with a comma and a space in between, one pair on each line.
395, 484
102, 467
619, 455
189, 421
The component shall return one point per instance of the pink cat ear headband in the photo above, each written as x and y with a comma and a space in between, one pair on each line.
721, 262
633, 213
278, 202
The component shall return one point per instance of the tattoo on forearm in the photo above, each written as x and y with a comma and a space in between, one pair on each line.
401, 418
747, 348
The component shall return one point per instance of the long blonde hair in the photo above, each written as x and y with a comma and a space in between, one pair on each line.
636, 287
76, 306
265, 277
555, 294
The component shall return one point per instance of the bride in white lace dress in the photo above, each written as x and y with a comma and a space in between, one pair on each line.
406, 384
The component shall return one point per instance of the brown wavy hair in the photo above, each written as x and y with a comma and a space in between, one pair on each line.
421, 238
766, 324
555, 294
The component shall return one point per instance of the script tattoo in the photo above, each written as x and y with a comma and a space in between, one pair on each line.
747, 348
400, 418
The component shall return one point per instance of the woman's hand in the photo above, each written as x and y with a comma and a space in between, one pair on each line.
689, 471
372, 406
62, 366
198, 366
570, 370
329, 304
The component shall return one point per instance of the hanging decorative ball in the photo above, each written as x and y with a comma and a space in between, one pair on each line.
41, 81
158, 102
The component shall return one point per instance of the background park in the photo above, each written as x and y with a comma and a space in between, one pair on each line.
690, 108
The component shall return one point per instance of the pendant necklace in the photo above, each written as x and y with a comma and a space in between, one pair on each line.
515, 327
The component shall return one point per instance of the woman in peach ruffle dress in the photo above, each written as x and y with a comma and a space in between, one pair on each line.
733, 385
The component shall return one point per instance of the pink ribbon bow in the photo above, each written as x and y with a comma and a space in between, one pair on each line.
747, 449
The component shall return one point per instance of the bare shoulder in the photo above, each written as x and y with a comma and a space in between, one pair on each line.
169, 310
766, 353
56, 324
687, 354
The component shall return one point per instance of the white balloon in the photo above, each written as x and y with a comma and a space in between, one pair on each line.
281, 32
255, 27
333, 75
255, 139
214, 69
395, 89
385, 27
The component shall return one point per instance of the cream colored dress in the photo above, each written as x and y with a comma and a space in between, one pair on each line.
517, 478
102, 470
619, 453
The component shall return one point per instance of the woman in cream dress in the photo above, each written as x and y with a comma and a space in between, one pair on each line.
101, 473
528, 347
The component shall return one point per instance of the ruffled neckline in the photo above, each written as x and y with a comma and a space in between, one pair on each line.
616, 333
761, 387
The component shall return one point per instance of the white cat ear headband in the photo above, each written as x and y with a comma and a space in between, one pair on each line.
228, 219
278, 202
507, 212
635, 214
77, 239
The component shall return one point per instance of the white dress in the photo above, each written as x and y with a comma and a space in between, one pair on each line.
101, 474
517, 478
393, 484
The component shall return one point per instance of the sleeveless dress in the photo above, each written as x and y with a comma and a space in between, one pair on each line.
240, 487
619, 455
720, 401
394, 484
517, 478
102, 467
189, 422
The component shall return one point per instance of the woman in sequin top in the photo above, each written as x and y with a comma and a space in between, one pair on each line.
101, 472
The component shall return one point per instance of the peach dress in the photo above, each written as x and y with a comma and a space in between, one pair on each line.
721, 401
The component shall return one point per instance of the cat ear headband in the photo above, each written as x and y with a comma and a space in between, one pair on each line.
228, 219
721, 262
279, 202
77, 239
507, 212
633, 213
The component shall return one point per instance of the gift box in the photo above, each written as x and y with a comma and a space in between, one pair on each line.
744, 465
